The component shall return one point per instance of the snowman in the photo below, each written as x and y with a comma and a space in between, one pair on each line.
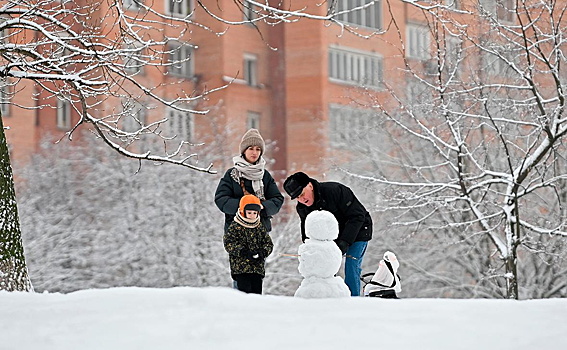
320, 258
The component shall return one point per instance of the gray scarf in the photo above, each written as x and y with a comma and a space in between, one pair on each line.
252, 172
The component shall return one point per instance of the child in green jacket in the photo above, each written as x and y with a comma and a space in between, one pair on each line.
248, 245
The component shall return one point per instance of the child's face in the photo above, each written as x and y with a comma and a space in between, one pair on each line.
251, 214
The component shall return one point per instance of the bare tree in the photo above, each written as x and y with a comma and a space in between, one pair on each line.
88, 55
472, 150
88, 222
91, 219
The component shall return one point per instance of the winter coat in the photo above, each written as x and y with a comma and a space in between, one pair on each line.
229, 192
355, 223
238, 240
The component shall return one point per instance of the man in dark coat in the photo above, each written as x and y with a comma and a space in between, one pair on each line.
355, 223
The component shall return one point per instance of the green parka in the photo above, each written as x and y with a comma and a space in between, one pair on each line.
238, 240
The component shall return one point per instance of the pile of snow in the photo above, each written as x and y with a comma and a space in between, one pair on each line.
320, 259
223, 318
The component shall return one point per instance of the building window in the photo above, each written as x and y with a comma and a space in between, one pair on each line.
370, 16
453, 50
133, 58
349, 126
249, 11
417, 43
504, 10
416, 93
179, 8
10, 150
180, 124
181, 60
4, 99
496, 65
63, 114
453, 4
507, 10
418, 98
134, 116
355, 67
55, 51
253, 120
3, 34
132, 5
251, 69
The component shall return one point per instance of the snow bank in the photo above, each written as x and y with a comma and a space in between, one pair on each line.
222, 318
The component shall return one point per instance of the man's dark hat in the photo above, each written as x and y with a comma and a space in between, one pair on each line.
295, 184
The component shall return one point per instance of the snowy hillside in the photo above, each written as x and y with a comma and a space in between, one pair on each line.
222, 318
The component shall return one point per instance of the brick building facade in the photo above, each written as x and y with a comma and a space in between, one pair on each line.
294, 81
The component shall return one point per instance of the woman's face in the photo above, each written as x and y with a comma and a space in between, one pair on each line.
252, 154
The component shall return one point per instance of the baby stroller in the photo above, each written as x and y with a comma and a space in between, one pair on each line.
385, 283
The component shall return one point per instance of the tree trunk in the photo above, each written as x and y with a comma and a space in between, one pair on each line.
13, 270
511, 260
512, 275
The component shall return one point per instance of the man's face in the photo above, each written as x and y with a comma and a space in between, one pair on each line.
307, 197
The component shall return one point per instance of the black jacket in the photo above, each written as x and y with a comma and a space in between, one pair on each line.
229, 192
355, 223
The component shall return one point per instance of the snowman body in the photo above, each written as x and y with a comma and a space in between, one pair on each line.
320, 259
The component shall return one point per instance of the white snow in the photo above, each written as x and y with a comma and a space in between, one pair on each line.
222, 318
321, 225
320, 259
322, 287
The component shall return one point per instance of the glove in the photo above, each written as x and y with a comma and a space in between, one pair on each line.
343, 245
245, 253
249, 254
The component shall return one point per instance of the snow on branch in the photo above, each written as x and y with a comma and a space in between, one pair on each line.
92, 56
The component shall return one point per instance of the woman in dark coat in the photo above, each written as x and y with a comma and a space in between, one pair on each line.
249, 176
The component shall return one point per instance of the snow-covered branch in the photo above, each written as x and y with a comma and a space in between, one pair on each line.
95, 62
476, 128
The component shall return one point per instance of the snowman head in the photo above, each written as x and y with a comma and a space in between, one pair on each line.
321, 225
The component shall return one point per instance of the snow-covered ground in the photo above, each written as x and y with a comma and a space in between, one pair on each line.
222, 318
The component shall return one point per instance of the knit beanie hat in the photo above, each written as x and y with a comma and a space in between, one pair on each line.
249, 202
252, 138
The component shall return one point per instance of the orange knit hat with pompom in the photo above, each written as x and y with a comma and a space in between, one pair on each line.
249, 202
